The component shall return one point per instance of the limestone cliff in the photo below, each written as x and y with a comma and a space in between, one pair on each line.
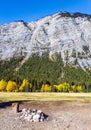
68, 33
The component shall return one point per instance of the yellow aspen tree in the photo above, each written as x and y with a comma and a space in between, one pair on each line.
63, 87
3, 85
46, 88
79, 88
11, 86
24, 86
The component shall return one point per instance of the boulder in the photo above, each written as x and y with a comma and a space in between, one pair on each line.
15, 107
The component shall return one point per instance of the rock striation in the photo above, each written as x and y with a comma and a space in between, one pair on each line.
63, 32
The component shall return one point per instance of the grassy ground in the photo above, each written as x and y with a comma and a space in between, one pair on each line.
5, 96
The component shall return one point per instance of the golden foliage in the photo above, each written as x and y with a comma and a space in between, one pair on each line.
46, 88
24, 84
79, 88
64, 87
11, 86
27, 87
3, 85
76, 88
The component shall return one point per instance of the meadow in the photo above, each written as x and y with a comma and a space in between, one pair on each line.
45, 96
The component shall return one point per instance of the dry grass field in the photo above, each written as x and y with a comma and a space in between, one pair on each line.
5, 96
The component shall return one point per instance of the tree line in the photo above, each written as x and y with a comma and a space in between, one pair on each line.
42, 70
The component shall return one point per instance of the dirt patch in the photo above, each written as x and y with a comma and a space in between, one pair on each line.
63, 115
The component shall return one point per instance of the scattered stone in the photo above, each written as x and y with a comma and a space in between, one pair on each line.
33, 115
39, 111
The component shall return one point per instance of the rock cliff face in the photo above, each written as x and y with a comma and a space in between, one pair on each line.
62, 32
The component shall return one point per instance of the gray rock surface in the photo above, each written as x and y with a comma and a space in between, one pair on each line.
63, 32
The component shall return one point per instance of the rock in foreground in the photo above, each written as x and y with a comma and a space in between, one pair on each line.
33, 115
